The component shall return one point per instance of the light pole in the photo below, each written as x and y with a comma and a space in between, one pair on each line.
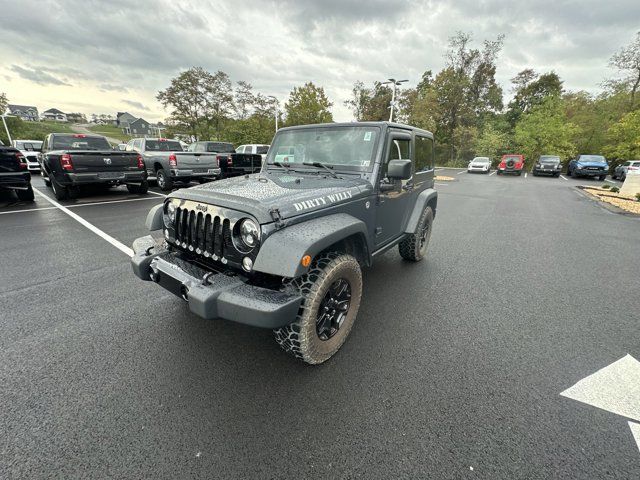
395, 83
6, 129
275, 103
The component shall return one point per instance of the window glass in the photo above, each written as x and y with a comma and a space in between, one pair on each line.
220, 147
163, 146
80, 142
424, 153
262, 150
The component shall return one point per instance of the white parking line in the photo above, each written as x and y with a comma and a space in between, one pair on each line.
119, 245
77, 205
27, 210
525, 174
156, 193
493, 173
460, 173
564, 178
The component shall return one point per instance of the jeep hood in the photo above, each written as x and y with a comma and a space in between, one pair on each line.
291, 194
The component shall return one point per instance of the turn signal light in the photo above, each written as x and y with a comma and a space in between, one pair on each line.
173, 161
65, 161
306, 261
140, 162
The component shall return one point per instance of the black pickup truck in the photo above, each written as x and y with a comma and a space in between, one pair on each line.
231, 163
69, 160
14, 174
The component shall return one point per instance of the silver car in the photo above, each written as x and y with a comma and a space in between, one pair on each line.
479, 164
621, 171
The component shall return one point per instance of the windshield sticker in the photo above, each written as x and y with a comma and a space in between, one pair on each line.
324, 200
367, 136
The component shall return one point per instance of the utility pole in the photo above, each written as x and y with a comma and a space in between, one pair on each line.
395, 83
6, 129
275, 103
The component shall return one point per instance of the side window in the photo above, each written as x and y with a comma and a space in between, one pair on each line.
424, 154
137, 145
240, 149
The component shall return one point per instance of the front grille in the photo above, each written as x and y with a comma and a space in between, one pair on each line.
204, 233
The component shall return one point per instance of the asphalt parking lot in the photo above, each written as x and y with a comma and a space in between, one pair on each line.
454, 368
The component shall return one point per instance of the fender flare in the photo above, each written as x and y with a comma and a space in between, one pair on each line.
428, 196
281, 252
154, 218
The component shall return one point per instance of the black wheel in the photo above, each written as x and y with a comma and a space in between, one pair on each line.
25, 195
622, 178
164, 181
414, 247
535, 174
331, 292
573, 174
140, 189
498, 172
204, 180
602, 177
61, 192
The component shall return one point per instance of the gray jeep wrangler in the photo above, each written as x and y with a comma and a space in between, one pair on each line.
284, 248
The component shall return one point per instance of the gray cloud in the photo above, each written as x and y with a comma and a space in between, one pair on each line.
37, 75
139, 46
134, 104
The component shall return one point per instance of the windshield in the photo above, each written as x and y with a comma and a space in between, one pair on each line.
28, 145
549, 159
163, 146
220, 147
80, 142
480, 160
348, 148
592, 158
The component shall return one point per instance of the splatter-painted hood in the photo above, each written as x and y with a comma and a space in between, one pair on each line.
290, 193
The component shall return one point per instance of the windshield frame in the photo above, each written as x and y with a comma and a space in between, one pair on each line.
297, 166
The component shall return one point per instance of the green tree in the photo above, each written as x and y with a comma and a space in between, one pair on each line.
4, 103
623, 138
244, 99
544, 130
491, 142
628, 60
530, 90
307, 104
370, 104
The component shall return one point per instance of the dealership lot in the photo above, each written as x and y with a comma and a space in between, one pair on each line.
453, 370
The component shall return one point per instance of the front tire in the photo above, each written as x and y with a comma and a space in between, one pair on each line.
141, 189
414, 247
60, 192
331, 293
164, 181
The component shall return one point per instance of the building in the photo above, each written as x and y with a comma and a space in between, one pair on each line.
139, 128
123, 119
25, 112
55, 115
76, 117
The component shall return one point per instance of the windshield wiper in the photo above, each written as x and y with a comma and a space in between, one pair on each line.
322, 165
284, 165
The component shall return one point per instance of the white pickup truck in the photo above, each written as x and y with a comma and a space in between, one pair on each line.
255, 149
166, 160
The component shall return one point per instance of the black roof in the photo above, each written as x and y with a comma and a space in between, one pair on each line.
383, 124
21, 107
54, 110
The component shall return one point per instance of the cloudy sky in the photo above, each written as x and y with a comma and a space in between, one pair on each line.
106, 56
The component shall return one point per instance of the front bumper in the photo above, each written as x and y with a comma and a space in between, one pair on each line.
590, 173
136, 176
477, 169
512, 170
550, 171
195, 173
210, 294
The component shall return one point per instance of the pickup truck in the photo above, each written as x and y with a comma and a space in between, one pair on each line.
68, 161
166, 161
30, 149
14, 174
231, 163
254, 148
588, 166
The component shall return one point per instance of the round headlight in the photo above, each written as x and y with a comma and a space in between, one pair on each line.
249, 233
171, 212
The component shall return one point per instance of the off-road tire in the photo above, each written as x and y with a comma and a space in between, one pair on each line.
164, 181
140, 189
602, 178
413, 248
300, 337
60, 192
25, 195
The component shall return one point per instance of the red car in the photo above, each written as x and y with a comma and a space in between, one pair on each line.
511, 164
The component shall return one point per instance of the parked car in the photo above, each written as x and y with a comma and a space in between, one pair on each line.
621, 171
14, 174
231, 163
588, 166
479, 164
284, 249
30, 149
254, 148
513, 163
122, 147
69, 161
168, 163
547, 165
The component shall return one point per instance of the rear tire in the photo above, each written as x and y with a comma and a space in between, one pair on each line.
141, 189
414, 247
164, 181
320, 314
60, 192
25, 195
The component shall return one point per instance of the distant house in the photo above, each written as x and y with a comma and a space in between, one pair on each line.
123, 119
76, 117
139, 128
55, 115
25, 112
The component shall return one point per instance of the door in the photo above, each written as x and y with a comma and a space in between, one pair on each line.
394, 206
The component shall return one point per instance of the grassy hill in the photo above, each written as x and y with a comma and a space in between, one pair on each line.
20, 129
110, 131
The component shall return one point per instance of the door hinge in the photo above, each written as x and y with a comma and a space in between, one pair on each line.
378, 230
277, 218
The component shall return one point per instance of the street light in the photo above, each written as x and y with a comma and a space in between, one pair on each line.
275, 102
6, 129
395, 83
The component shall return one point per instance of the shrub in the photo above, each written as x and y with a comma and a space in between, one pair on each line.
638, 196
606, 186
615, 189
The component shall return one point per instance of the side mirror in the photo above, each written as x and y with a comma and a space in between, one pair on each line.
399, 170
